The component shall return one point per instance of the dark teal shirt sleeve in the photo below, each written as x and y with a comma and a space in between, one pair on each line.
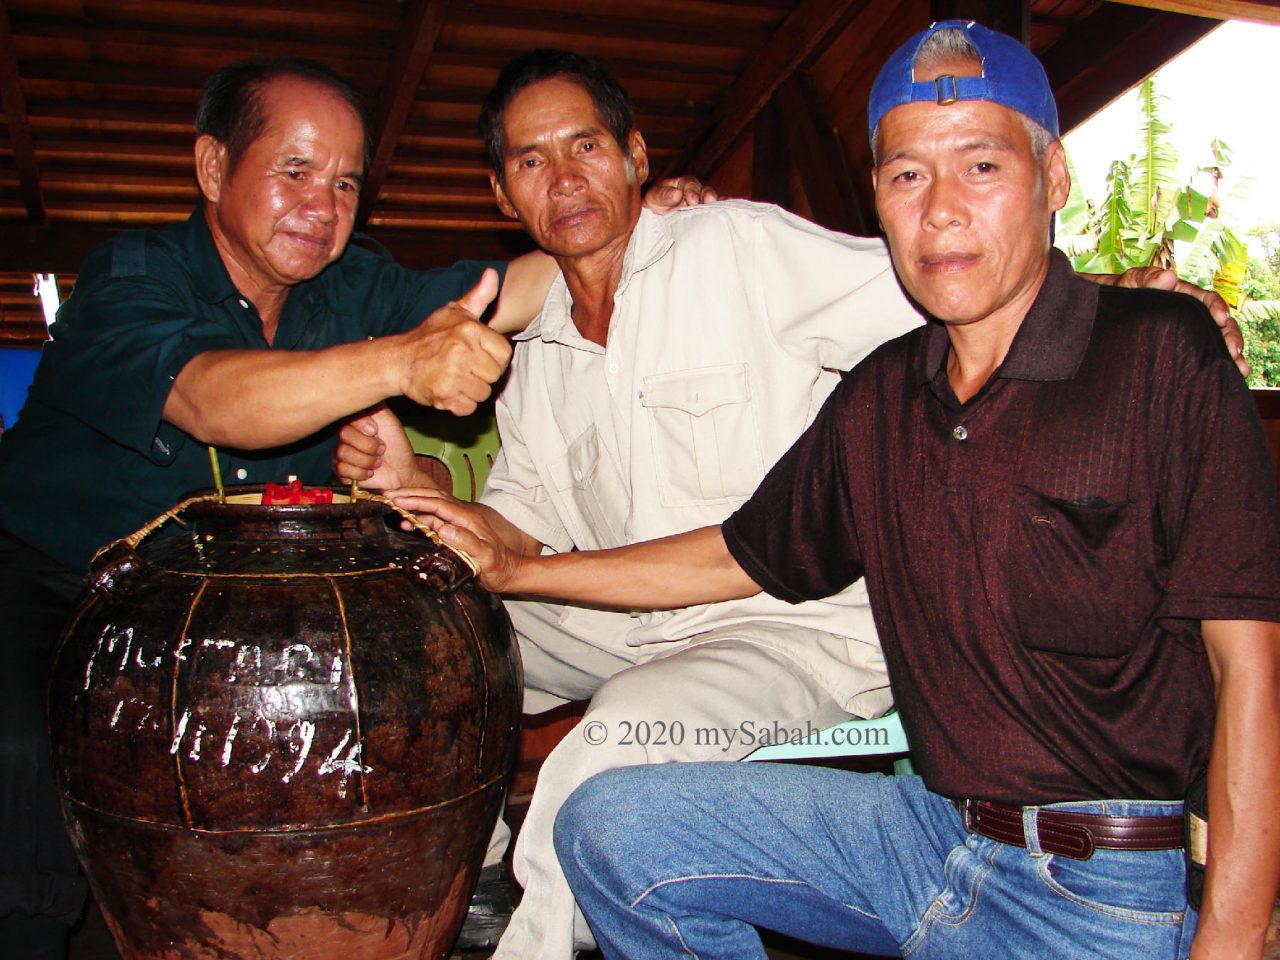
122, 339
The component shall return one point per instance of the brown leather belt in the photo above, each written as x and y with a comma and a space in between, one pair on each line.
1070, 834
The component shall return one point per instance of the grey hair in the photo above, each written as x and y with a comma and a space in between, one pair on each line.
948, 46
945, 46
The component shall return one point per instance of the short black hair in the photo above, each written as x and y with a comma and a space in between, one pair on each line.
231, 111
610, 98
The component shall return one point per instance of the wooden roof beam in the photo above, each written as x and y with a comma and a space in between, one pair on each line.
15, 108
770, 157
1258, 11
422, 25
805, 31
602, 21
1111, 50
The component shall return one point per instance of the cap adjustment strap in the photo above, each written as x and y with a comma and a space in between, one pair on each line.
946, 88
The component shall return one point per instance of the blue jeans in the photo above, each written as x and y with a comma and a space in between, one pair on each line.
685, 860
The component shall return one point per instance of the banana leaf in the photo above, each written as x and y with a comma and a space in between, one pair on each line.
1074, 217
1116, 227
1216, 246
1259, 310
1153, 186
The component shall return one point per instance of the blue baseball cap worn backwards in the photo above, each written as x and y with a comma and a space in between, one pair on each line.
1011, 76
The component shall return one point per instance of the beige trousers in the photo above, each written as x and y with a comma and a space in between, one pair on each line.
715, 696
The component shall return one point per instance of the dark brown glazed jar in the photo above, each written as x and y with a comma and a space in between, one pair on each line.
284, 732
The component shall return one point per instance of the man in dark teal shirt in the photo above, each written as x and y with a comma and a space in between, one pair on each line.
253, 327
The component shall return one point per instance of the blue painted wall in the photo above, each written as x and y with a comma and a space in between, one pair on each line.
17, 367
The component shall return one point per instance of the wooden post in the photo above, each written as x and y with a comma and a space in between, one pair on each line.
819, 159
770, 157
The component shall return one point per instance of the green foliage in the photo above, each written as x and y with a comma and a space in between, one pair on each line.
1144, 212
1073, 219
1118, 240
1152, 187
1259, 317
1264, 271
1260, 323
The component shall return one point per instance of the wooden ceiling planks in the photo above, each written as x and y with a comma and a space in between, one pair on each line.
98, 98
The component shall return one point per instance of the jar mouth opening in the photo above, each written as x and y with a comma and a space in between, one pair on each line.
246, 501
254, 499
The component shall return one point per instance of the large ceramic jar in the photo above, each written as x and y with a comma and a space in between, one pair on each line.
284, 732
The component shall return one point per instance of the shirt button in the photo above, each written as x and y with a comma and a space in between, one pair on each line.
242, 474
613, 368
577, 475
245, 304
960, 433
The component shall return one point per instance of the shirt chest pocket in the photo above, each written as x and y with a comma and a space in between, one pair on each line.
706, 444
1078, 588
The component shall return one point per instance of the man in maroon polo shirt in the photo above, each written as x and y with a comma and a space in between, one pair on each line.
1063, 506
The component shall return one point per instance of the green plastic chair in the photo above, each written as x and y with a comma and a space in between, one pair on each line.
882, 736
466, 445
